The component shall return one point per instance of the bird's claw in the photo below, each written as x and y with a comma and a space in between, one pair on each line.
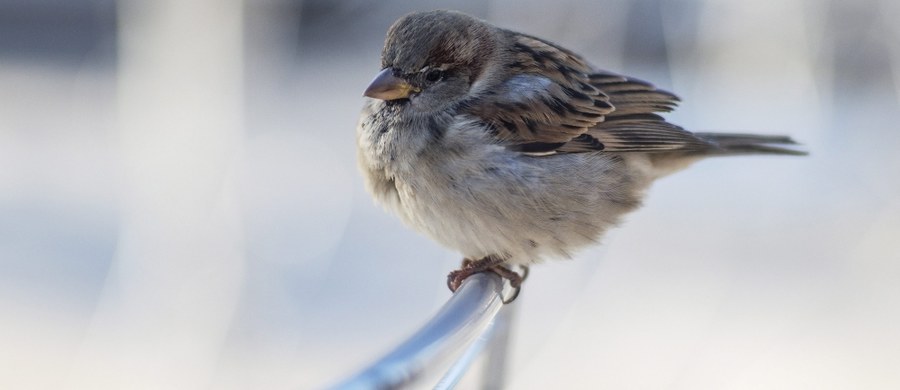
488, 264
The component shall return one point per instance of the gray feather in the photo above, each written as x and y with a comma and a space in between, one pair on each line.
735, 144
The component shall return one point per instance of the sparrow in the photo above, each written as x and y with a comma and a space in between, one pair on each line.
512, 149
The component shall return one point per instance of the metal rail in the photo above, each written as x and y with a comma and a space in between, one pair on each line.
441, 351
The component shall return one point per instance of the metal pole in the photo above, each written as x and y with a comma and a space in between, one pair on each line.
494, 375
423, 358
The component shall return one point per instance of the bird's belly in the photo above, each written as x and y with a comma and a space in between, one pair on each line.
520, 210
469, 221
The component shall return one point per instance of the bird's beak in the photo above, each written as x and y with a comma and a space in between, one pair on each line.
386, 86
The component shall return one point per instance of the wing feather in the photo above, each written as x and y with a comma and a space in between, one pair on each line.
557, 103
634, 125
549, 101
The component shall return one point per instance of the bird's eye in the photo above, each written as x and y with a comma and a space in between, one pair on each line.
434, 75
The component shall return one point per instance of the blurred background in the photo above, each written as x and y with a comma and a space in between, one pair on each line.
180, 206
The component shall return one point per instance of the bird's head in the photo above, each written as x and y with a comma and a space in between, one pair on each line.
431, 59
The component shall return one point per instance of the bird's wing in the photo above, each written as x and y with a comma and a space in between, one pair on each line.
634, 125
557, 103
547, 103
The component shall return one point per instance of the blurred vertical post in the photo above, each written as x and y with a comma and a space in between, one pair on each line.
175, 283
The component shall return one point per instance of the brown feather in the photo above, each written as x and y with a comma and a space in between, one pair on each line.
634, 126
557, 103
549, 101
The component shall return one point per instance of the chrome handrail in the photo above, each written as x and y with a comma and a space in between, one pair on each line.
441, 351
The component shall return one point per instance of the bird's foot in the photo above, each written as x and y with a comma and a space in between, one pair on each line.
488, 264
515, 279
471, 267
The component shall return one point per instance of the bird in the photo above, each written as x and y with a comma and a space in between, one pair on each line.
512, 149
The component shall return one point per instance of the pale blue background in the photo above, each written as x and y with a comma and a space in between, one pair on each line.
144, 254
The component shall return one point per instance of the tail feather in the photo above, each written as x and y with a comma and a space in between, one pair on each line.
732, 144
